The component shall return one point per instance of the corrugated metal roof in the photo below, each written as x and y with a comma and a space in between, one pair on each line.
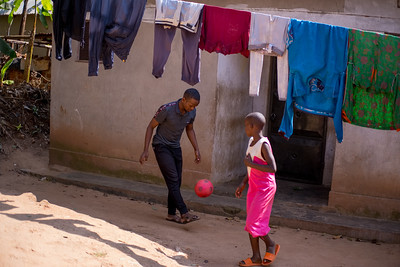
31, 8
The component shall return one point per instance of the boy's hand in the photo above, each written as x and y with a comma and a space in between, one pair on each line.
197, 156
144, 157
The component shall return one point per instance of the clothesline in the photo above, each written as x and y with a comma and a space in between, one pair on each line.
313, 58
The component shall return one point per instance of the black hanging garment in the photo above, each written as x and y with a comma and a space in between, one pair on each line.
113, 28
68, 23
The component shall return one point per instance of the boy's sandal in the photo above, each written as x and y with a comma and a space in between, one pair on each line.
175, 218
249, 262
187, 218
269, 257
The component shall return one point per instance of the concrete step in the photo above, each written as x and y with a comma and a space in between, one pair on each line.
317, 218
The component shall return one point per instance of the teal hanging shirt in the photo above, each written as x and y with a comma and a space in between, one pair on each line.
317, 72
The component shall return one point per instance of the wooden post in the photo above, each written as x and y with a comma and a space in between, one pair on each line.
23, 19
28, 61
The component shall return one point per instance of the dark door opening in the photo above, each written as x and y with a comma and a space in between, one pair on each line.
301, 158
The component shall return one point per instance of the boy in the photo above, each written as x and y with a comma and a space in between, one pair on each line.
171, 119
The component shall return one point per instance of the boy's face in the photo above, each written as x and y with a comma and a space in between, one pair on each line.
189, 104
248, 128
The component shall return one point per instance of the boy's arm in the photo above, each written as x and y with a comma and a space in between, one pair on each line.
192, 138
149, 133
268, 157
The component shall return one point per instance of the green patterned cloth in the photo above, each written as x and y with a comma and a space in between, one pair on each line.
372, 97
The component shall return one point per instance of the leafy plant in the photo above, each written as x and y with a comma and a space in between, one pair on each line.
46, 9
7, 50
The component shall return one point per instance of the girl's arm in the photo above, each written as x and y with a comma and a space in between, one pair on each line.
268, 157
240, 188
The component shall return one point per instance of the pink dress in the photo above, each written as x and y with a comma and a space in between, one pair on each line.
261, 192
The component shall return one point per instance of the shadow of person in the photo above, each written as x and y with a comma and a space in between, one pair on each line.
75, 227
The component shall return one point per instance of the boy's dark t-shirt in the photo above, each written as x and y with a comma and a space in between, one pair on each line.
171, 124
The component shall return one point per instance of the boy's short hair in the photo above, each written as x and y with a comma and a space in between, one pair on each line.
256, 118
192, 93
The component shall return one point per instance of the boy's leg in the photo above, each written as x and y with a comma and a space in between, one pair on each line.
168, 161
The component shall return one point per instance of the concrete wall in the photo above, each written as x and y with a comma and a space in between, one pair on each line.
233, 104
366, 177
98, 123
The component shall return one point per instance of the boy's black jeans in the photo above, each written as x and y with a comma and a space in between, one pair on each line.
170, 162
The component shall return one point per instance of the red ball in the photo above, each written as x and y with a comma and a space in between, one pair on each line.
204, 188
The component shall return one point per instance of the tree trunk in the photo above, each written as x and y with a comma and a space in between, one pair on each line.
28, 61
23, 19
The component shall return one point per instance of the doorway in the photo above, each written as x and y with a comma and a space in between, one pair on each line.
301, 158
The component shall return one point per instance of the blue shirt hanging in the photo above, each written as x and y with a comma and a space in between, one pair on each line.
317, 72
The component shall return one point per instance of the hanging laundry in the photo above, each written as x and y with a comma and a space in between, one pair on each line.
187, 16
317, 65
372, 96
225, 31
168, 12
268, 36
113, 28
68, 23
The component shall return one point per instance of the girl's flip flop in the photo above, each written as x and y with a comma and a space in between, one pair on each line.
269, 257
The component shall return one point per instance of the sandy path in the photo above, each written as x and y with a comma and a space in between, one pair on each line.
50, 224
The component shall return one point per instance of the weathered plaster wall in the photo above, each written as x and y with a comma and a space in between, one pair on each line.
98, 123
366, 177
233, 104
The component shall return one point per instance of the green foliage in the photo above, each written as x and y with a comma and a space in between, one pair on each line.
16, 5
7, 50
8, 82
46, 9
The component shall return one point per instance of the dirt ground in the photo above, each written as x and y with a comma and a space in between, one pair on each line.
50, 224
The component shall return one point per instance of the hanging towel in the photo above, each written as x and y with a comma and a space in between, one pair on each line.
113, 28
372, 96
268, 36
225, 31
317, 65
163, 37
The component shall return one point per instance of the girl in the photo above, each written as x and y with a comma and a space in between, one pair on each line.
261, 168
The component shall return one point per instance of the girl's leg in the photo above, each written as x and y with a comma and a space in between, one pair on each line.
256, 258
256, 249
269, 244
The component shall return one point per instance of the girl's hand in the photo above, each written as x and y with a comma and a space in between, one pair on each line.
247, 160
239, 190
